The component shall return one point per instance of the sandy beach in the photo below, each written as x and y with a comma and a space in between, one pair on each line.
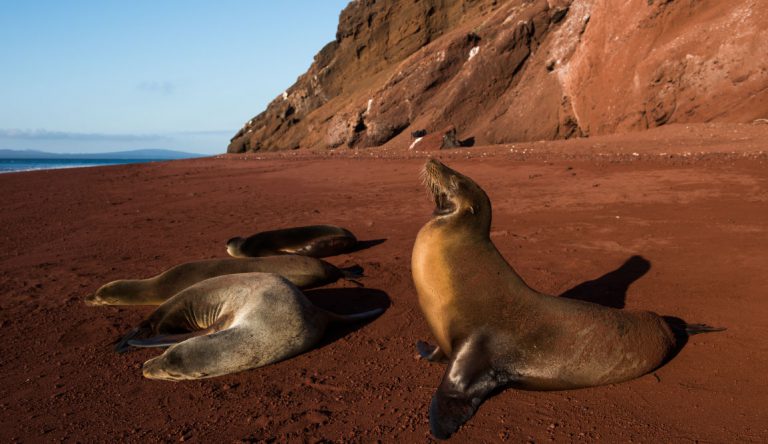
674, 221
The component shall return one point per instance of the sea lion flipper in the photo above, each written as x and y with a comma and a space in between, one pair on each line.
166, 340
122, 345
352, 272
431, 353
467, 382
695, 329
355, 317
146, 334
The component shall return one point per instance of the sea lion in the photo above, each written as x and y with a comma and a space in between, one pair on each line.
313, 240
304, 272
231, 323
495, 331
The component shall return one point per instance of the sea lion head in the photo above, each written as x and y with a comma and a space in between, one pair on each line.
172, 366
108, 294
458, 199
234, 247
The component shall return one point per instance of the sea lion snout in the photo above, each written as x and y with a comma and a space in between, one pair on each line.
103, 296
92, 299
233, 246
433, 165
164, 368
153, 369
440, 181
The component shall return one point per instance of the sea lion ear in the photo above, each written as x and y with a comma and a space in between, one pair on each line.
468, 380
472, 209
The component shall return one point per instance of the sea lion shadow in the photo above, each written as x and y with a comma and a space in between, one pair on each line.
610, 289
347, 301
365, 244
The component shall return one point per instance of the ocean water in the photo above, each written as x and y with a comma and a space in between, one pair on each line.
13, 165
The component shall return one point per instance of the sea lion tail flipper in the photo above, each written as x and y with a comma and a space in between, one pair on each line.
122, 345
352, 272
694, 329
431, 353
682, 329
468, 380
355, 317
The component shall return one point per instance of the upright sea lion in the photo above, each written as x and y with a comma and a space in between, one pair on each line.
313, 240
304, 272
495, 331
231, 323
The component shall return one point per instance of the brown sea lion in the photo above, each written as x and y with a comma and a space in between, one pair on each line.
313, 240
304, 272
231, 323
495, 331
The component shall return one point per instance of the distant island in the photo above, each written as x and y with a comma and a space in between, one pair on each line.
123, 155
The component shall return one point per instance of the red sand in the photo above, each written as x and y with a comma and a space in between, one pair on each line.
701, 220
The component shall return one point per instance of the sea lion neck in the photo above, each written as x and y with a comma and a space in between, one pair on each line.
461, 227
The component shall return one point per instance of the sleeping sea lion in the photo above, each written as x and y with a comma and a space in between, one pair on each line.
313, 240
304, 272
231, 323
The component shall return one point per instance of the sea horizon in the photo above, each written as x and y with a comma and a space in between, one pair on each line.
22, 165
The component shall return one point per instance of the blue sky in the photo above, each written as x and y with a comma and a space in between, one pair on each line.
90, 76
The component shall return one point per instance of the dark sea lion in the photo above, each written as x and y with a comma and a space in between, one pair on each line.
313, 240
231, 323
304, 272
495, 331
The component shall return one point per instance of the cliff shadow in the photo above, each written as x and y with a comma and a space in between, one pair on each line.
610, 289
347, 301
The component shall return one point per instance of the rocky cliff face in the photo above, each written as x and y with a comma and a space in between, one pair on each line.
495, 71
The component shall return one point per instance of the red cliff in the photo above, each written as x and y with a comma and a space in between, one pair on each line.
495, 71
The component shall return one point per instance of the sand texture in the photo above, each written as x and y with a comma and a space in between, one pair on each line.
691, 201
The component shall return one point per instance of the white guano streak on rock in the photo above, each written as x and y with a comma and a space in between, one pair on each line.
473, 52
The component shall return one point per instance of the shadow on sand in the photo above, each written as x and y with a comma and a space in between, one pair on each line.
346, 301
610, 289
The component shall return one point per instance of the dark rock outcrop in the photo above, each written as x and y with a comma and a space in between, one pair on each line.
502, 71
